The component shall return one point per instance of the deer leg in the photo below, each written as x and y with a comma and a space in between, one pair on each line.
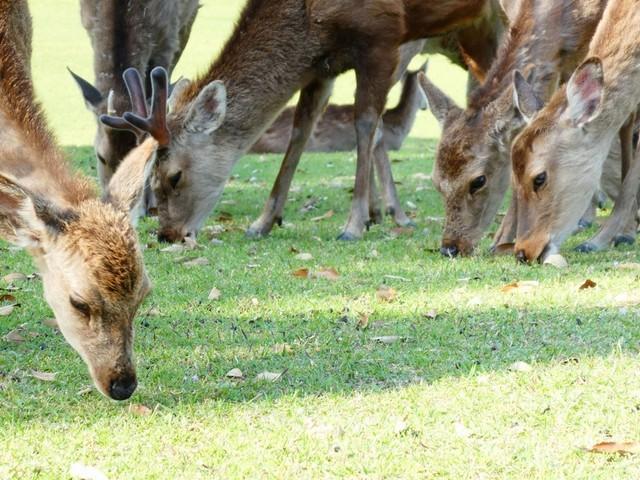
504, 238
616, 229
313, 100
375, 213
373, 81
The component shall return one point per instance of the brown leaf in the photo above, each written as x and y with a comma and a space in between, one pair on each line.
431, 314
197, 262
282, 348
363, 321
524, 286
235, 373
14, 277
215, 294
628, 266
615, 447
402, 231
139, 410
175, 248
6, 310
225, 217
269, 376
327, 273
325, 216
7, 298
301, 273
385, 293
44, 376
588, 283
14, 336
304, 256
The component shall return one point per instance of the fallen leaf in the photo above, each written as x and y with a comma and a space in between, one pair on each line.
327, 273
301, 273
615, 447
215, 294
400, 231
44, 376
14, 277
225, 217
304, 256
625, 299
197, 262
385, 293
363, 321
421, 176
388, 340
431, 314
269, 376
588, 283
411, 205
235, 373
14, 336
282, 348
255, 302
6, 310
327, 215
556, 260
520, 367
78, 471
628, 266
190, 243
175, 248
524, 286
7, 298
139, 410
461, 430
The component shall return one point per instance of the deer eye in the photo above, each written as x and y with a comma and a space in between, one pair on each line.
539, 181
101, 159
477, 184
80, 306
175, 179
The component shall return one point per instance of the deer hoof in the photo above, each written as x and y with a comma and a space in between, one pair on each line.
255, 233
347, 237
587, 247
623, 240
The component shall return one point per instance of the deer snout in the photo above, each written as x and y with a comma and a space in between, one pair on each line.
121, 388
169, 235
521, 256
450, 251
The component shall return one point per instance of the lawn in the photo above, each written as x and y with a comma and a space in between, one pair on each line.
446, 376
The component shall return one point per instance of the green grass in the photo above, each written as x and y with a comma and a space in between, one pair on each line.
346, 406
442, 403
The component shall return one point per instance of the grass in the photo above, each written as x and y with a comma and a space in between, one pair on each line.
443, 402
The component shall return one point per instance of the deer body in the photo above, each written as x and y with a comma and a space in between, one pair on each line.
280, 47
86, 250
546, 40
558, 157
128, 33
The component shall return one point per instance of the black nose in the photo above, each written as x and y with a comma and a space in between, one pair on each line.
123, 387
449, 251
521, 256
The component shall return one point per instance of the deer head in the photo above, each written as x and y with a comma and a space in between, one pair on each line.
111, 146
91, 267
184, 186
553, 162
472, 168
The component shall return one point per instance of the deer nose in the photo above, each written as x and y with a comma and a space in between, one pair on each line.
521, 256
168, 235
123, 387
450, 251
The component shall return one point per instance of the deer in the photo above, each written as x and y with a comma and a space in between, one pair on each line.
559, 156
128, 33
279, 47
334, 131
85, 247
546, 40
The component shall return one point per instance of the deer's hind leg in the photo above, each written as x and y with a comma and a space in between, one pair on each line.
313, 100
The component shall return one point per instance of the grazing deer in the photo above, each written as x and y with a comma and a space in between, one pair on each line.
558, 157
128, 33
547, 39
279, 47
334, 131
85, 248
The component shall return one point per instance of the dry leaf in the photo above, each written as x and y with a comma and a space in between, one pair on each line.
190, 243
14, 336
78, 471
44, 376
387, 340
628, 266
327, 215
520, 367
139, 410
421, 176
197, 262
282, 348
461, 430
215, 294
363, 321
400, 231
588, 283
7, 298
6, 310
14, 277
615, 447
269, 376
235, 373
327, 273
175, 248
304, 256
431, 314
524, 286
385, 293
301, 273
225, 217
556, 260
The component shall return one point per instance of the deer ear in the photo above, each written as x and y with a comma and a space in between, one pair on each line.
126, 188
92, 97
439, 103
175, 91
584, 92
524, 98
208, 110
510, 8
26, 219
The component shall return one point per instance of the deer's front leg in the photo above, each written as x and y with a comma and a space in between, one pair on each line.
313, 99
373, 75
